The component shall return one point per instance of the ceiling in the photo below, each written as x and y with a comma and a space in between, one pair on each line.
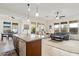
46, 10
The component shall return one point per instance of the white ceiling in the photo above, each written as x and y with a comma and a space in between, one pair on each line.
46, 10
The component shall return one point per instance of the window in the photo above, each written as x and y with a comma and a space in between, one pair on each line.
6, 27
64, 27
15, 27
73, 27
50, 27
40, 27
33, 27
56, 27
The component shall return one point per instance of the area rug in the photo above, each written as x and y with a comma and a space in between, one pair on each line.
9, 53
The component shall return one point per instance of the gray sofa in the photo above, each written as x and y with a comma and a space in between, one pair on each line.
60, 36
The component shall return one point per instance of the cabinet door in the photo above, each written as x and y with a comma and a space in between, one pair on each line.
16, 44
33, 48
22, 48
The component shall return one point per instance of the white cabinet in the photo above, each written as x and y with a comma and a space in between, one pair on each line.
22, 47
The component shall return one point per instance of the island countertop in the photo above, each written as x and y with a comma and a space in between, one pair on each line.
31, 37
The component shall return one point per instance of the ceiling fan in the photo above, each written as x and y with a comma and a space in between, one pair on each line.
58, 16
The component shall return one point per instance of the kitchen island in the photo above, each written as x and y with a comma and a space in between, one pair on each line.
28, 45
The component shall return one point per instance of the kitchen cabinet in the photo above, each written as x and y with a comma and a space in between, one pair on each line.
22, 48
16, 44
33, 48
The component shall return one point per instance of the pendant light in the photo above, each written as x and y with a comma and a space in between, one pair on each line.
37, 13
28, 19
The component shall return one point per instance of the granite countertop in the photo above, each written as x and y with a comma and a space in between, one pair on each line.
71, 46
31, 37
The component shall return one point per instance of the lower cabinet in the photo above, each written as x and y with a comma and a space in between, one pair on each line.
33, 48
16, 44
22, 48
